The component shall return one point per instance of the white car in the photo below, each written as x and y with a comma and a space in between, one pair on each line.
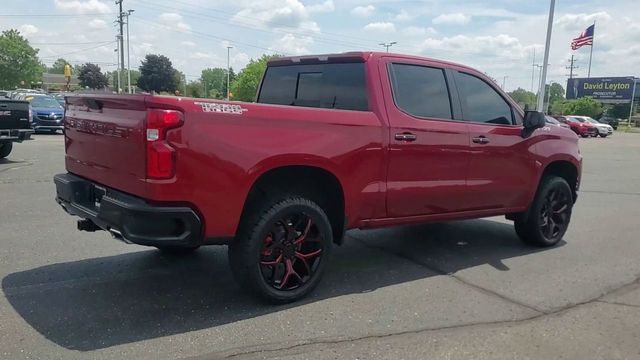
604, 130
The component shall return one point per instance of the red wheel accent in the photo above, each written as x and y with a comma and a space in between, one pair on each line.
291, 252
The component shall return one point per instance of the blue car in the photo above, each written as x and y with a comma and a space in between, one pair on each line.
48, 114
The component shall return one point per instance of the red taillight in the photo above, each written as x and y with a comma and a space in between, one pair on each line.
160, 155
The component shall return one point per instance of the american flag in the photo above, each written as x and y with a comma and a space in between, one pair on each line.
586, 38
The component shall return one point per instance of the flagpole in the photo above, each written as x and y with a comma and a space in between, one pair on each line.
593, 40
543, 77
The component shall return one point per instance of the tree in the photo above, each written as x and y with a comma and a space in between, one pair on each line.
157, 74
58, 67
554, 93
245, 85
584, 106
524, 98
215, 80
19, 63
92, 77
194, 89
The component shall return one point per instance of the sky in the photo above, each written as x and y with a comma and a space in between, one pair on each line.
498, 37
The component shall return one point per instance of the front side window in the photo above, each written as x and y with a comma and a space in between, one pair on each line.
481, 103
421, 91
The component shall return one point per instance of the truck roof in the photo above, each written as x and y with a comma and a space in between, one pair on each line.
354, 56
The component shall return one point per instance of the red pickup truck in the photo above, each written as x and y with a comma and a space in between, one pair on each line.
334, 142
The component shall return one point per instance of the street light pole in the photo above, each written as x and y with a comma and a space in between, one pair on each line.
504, 82
117, 51
388, 45
228, 72
129, 12
543, 80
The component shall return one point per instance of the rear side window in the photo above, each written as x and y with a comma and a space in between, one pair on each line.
330, 86
421, 91
481, 103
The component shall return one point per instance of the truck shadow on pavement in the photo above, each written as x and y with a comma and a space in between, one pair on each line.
97, 303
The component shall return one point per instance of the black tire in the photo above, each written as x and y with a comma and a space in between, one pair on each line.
177, 250
53, 131
266, 243
5, 149
604, 136
539, 227
585, 136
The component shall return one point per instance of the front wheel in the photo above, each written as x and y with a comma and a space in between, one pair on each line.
5, 149
547, 219
282, 249
585, 135
604, 135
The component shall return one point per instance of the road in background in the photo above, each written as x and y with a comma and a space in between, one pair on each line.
462, 290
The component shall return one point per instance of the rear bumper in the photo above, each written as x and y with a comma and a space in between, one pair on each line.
17, 135
127, 217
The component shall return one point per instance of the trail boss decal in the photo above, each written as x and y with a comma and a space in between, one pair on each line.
221, 108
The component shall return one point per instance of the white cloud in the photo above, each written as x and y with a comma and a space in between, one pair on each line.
199, 55
28, 29
280, 14
292, 45
452, 19
82, 6
403, 15
580, 21
188, 43
503, 46
326, 6
363, 11
380, 27
174, 20
418, 31
97, 24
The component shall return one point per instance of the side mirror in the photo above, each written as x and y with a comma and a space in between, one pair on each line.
533, 120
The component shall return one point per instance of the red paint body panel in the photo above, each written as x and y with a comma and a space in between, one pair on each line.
219, 156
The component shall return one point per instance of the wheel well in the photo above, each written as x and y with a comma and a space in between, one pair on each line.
565, 170
314, 183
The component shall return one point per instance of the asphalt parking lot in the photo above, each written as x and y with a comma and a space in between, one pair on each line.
458, 290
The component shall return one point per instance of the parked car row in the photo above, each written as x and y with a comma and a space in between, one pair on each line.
584, 126
46, 110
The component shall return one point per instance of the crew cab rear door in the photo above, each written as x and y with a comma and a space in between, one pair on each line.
501, 169
428, 151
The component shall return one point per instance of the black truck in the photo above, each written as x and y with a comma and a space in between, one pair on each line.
15, 124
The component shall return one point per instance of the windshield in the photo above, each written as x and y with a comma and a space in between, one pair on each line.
551, 120
578, 119
593, 121
44, 102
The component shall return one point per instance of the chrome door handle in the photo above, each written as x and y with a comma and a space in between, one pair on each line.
406, 136
481, 140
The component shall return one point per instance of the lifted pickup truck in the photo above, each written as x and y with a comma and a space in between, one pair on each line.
15, 124
334, 142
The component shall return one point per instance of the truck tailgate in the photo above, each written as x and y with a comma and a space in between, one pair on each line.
104, 140
14, 114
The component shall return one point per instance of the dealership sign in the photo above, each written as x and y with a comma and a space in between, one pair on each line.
607, 90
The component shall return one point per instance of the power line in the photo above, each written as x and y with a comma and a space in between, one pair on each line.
52, 15
69, 43
77, 51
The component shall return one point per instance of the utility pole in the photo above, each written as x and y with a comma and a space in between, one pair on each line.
547, 46
185, 85
572, 66
388, 45
504, 82
228, 72
121, 23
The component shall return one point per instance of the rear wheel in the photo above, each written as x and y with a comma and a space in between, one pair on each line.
282, 249
547, 219
604, 135
585, 135
5, 149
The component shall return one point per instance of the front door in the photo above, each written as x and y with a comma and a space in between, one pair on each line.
501, 166
428, 151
